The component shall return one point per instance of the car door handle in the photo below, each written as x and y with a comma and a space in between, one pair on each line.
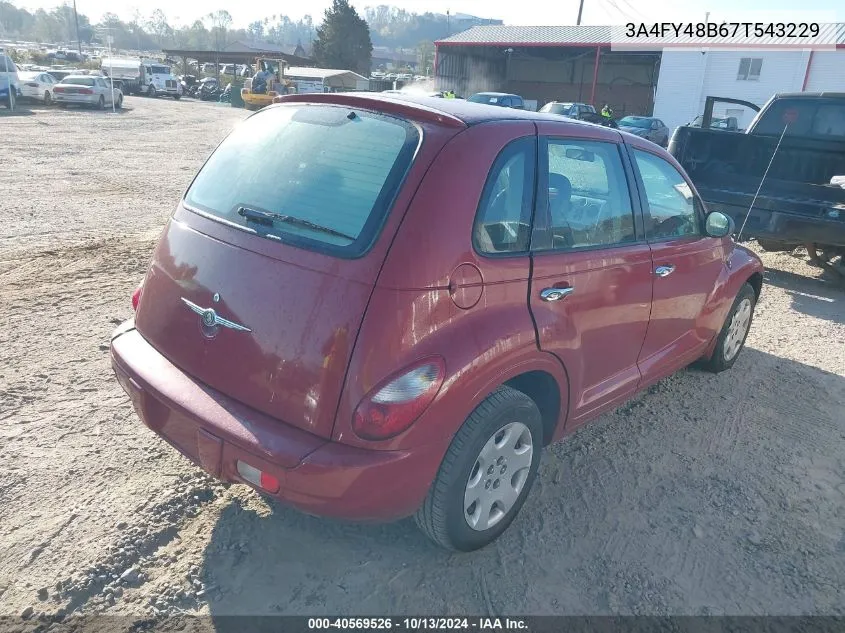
664, 271
555, 294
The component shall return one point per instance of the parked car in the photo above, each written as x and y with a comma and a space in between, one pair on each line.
578, 111
572, 110
647, 127
294, 332
87, 90
37, 86
799, 203
729, 123
502, 99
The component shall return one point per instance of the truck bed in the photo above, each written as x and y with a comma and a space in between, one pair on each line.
797, 203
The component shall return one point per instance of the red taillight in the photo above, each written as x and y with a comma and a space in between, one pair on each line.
58, 89
396, 404
258, 478
136, 297
31, 85
86, 91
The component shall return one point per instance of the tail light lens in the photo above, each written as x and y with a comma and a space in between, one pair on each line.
58, 89
394, 406
31, 85
136, 297
86, 91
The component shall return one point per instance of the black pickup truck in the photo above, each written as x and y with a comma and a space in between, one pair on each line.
802, 198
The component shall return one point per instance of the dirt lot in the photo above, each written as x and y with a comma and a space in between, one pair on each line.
708, 494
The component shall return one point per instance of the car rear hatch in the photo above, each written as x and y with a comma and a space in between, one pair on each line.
282, 235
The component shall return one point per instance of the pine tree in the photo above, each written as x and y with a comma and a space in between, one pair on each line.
343, 40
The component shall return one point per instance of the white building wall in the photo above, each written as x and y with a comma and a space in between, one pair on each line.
687, 77
827, 72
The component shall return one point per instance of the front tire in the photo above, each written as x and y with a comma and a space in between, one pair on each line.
177, 97
101, 104
486, 473
151, 92
734, 332
48, 99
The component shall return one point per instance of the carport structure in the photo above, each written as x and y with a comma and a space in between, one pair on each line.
549, 63
241, 53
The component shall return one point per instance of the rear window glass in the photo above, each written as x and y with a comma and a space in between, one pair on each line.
808, 117
320, 177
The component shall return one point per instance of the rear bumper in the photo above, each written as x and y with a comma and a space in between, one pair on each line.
77, 99
317, 476
786, 227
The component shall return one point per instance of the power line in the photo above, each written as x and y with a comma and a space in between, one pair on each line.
612, 4
635, 10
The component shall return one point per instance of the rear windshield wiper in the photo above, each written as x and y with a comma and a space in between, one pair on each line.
268, 217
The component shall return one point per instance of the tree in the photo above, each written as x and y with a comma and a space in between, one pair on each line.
220, 21
158, 24
343, 40
255, 30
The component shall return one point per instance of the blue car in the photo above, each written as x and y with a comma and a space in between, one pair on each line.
10, 89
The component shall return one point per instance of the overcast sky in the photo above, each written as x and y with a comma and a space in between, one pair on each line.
518, 12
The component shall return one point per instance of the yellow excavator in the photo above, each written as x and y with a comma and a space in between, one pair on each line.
257, 94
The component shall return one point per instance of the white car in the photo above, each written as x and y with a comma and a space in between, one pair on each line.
37, 86
87, 90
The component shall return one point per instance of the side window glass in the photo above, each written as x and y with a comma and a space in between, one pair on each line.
503, 222
589, 200
671, 203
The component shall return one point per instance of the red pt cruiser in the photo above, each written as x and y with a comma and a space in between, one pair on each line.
376, 307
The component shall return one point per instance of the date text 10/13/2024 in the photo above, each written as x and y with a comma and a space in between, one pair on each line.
418, 624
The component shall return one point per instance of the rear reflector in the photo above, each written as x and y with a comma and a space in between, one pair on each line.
258, 478
136, 297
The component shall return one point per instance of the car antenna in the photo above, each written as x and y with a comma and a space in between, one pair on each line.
790, 116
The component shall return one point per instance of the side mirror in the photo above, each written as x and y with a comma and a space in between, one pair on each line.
718, 224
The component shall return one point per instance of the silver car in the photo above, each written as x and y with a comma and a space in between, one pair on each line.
648, 127
87, 90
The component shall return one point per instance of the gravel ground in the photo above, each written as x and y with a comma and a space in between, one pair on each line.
706, 495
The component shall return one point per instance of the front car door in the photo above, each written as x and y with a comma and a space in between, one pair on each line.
687, 264
591, 286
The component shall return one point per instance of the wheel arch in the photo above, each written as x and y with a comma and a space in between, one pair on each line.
543, 388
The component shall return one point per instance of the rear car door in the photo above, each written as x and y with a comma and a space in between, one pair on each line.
687, 264
590, 292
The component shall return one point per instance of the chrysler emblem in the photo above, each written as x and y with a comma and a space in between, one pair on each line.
211, 321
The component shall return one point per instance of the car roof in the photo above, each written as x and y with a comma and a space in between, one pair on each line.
28, 74
497, 94
458, 112
810, 95
81, 77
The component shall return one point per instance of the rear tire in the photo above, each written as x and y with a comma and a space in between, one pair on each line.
734, 331
486, 474
101, 104
177, 97
119, 104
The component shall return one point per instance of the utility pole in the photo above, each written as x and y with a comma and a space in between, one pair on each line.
76, 19
448, 24
580, 11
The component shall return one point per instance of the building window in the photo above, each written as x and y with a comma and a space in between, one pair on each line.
749, 69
